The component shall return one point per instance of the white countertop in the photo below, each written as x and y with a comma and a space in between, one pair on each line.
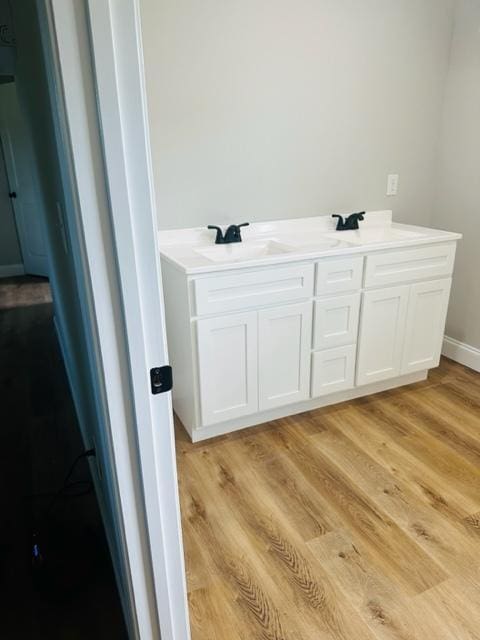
267, 243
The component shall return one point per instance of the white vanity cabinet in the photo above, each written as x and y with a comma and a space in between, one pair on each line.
249, 344
401, 326
253, 361
253, 331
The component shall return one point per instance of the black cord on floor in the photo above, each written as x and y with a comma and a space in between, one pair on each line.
86, 454
68, 489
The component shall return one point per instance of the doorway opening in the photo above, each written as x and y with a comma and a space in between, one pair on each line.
53, 551
56, 567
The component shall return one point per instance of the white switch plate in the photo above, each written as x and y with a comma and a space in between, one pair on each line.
392, 184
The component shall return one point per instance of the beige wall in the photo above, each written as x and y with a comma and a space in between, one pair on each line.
457, 205
264, 109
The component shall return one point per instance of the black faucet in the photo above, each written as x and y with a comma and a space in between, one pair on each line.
350, 223
232, 234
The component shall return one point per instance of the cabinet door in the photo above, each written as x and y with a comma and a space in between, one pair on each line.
382, 333
284, 343
336, 321
427, 312
227, 367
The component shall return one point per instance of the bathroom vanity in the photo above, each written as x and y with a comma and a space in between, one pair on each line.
298, 316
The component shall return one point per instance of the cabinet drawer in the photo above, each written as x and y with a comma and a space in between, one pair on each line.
333, 370
409, 265
338, 275
336, 321
232, 292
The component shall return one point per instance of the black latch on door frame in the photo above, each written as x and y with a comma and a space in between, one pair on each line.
161, 379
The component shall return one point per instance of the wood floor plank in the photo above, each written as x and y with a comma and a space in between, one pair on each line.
453, 409
425, 408
443, 539
400, 422
453, 608
295, 496
367, 430
472, 524
378, 600
386, 542
247, 587
211, 616
303, 583
355, 521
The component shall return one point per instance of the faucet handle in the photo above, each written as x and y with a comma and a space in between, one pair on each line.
238, 233
352, 221
233, 233
219, 239
340, 223
356, 216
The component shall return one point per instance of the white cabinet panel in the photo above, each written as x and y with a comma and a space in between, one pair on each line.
227, 359
336, 321
427, 312
409, 265
333, 370
238, 291
284, 340
337, 275
382, 333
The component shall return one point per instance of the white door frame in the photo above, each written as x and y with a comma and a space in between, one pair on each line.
110, 156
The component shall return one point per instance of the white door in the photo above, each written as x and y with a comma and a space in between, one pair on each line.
227, 362
284, 343
382, 333
23, 182
336, 321
427, 312
10, 255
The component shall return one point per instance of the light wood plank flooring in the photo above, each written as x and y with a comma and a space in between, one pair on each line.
358, 521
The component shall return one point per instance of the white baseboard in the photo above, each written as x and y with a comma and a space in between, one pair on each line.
9, 270
463, 353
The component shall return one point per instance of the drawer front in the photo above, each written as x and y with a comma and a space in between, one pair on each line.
333, 370
339, 275
218, 294
409, 265
336, 321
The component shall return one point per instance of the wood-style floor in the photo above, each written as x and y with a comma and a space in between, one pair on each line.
359, 521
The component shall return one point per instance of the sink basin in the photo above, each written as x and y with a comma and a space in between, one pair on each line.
307, 241
242, 250
371, 236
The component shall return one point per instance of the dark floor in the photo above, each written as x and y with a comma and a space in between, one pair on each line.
71, 593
